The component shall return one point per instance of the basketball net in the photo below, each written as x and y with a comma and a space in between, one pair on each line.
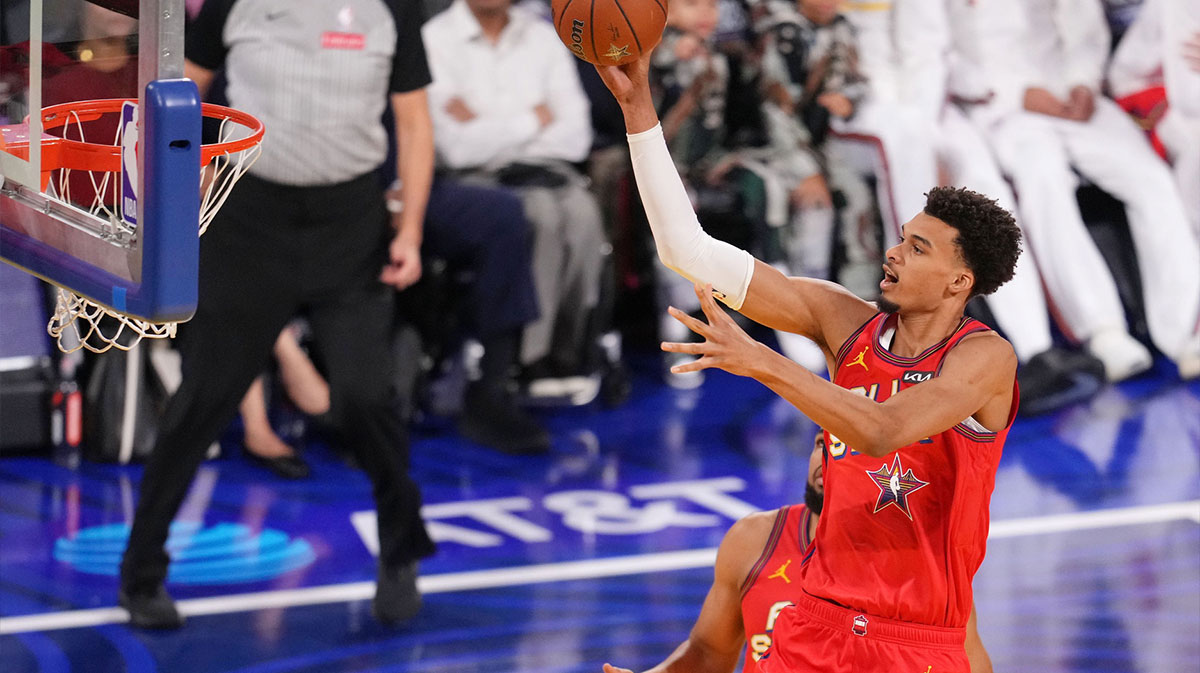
78, 322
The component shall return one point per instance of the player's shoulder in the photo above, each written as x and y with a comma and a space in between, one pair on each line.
984, 350
743, 544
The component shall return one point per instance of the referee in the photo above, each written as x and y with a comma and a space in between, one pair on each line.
306, 231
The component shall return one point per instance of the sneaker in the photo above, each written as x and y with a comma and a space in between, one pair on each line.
1122, 355
1056, 378
492, 417
397, 598
150, 610
574, 391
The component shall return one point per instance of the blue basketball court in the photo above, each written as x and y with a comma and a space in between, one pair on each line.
601, 551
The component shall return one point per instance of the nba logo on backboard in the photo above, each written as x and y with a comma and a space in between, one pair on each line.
129, 163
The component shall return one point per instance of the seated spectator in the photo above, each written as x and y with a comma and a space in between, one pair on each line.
921, 38
1155, 75
483, 230
508, 110
1035, 66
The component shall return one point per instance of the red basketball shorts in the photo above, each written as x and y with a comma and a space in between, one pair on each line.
815, 636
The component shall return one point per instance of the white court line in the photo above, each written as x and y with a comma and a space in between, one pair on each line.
558, 572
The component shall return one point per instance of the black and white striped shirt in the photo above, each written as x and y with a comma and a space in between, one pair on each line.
318, 73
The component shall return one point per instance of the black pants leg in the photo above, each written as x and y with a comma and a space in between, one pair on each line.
346, 235
244, 301
484, 229
353, 335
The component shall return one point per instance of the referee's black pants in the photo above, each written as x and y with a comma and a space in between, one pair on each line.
274, 251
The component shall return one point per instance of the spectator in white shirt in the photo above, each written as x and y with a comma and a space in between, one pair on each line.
1162, 48
1038, 66
508, 109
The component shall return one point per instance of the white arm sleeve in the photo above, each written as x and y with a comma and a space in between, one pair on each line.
682, 245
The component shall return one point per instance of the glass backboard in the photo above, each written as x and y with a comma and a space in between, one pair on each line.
124, 236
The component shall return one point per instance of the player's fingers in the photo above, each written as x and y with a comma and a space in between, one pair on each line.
709, 304
693, 366
684, 347
697, 326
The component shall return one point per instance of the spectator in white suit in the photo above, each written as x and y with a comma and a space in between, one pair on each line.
1036, 67
1162, 48
909, 45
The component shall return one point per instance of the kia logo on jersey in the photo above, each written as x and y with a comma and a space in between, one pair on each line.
914, 376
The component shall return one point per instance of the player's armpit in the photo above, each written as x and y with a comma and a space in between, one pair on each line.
823, 311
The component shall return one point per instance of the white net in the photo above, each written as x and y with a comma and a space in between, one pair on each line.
80, 323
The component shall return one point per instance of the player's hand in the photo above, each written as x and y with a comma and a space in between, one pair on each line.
837, 104
726, 346
1082, 104
459, 110
629, 83
1042, 101
609, 668
404, 266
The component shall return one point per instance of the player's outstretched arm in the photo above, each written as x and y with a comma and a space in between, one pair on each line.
976, 380
819, 310
715, 642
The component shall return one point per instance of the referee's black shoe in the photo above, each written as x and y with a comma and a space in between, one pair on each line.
397, 598
491, 416
150, 610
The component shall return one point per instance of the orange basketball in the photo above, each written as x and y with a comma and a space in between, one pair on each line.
609, 32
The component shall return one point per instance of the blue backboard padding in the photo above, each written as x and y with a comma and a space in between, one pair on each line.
170, 206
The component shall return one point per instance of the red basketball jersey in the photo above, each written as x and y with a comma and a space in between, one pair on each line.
901, 537
774, 581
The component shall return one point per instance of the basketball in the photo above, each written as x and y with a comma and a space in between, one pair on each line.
609, 32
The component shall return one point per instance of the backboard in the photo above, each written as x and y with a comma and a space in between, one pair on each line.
127, 239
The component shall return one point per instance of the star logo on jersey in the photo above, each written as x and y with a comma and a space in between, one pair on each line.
895, 485
617, 53
858, 360
781, 572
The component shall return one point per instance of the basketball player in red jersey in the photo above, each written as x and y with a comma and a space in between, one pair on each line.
916, 416
756, 577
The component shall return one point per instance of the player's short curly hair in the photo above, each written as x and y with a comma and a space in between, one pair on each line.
988, 238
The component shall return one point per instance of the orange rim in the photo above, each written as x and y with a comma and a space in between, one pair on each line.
82, 155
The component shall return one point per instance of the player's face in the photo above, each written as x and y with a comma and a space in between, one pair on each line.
925, 268
816, 470
820, 12
698, 17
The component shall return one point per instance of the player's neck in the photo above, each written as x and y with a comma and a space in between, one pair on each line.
916, 332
